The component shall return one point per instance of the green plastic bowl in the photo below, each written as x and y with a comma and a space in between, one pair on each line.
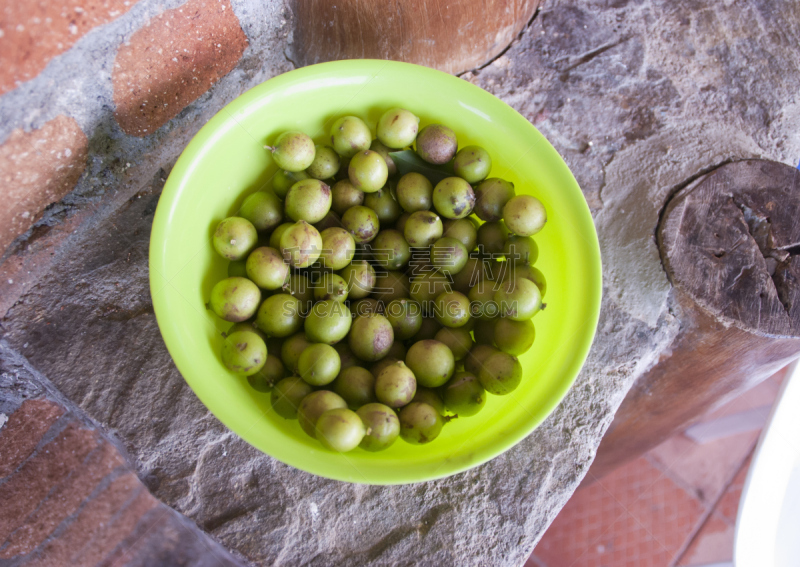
226, 161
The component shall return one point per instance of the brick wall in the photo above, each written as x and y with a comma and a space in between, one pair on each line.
95, 97
69, 496
94, 92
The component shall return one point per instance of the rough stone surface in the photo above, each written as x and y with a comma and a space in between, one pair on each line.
172, 60
37, 169
35, 32
639, 97
69, 497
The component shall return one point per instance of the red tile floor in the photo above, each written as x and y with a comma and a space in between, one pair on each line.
673, 507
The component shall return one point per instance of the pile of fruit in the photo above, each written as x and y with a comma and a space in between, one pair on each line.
365, 296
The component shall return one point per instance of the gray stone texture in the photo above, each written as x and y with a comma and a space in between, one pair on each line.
639, 97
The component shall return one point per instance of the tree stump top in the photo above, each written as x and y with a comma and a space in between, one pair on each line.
731, 240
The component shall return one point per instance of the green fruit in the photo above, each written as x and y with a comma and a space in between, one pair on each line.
521, 250
338, 248
463, 230
340, 430
301, 244
319, 364
287, 396
420, 423
501, 374
326, 163
428, 286
346, 355
282, 181
366, 306
300, 288
490, 198
384, 205
420, 262
235, 299
436, 144
371, 337
472, 274
368, 171
431, 362
330, 220
464, 395
390, 249
430, 397
270, 374
529, 273
427, 330
398, 351
390, 286
291, 350
382, 425
331, 286
514, 337
328, 322
244, 353
237, 269
492, 237
405, 316
472, 164
449, 255
481, 298
414, 192
383, 363
524, 215
280, 315
266, 268
234, 238
356, 385
396, 385
314, 405
459, 341
246, 326
422, 229
275, 237
397, 128
308, 200
344, 196
400, 224
360, 278
477, 356
263, 209
362, 223
452, 309
350, 135
519, 299
453, 198
484, 331
293, 151
379, 148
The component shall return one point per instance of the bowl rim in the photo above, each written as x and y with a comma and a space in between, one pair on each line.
185, 164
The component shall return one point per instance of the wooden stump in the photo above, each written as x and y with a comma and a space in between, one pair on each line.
452, 36
730, 243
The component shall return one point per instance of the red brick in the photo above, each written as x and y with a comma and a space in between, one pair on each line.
104, 521
24, 490
24, 268
35, 32
23, 431
172, 60
63, 501
36, 169
109, 537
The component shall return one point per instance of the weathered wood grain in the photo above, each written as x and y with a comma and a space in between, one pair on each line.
452, 36
729, 244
